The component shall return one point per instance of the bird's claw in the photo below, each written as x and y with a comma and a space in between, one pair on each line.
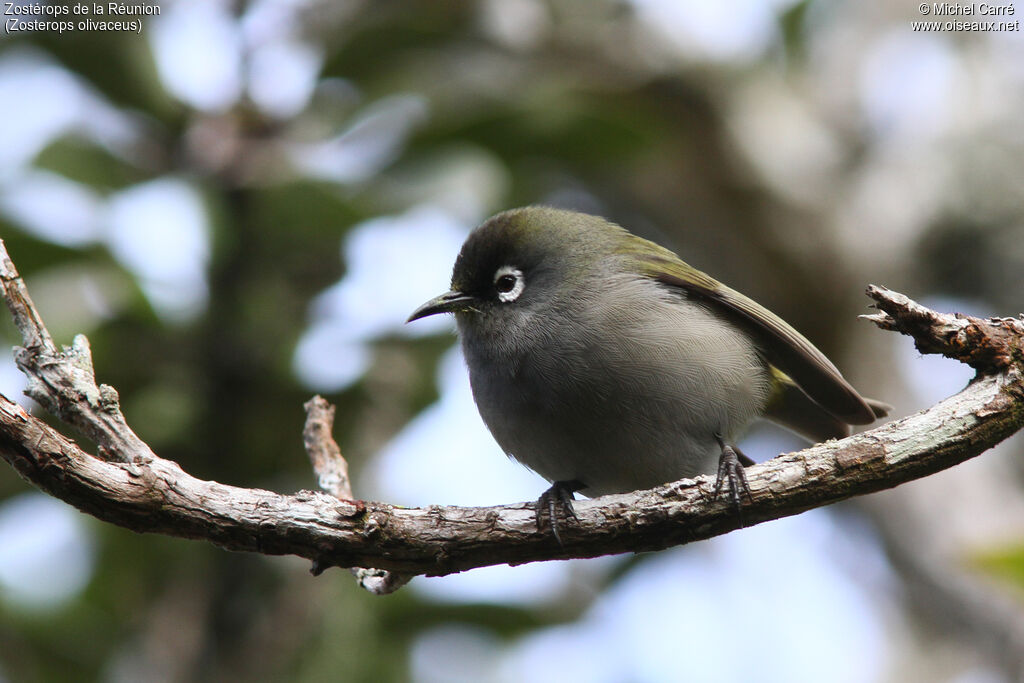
559, 495
731, 469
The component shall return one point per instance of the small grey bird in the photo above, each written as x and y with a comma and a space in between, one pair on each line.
606, 364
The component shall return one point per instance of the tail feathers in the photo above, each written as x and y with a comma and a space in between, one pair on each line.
878, 408
794, 410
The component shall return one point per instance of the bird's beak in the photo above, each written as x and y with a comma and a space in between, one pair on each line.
449, 302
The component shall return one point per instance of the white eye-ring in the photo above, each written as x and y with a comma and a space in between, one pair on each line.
509, 282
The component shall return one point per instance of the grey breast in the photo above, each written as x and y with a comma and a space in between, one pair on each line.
624, 396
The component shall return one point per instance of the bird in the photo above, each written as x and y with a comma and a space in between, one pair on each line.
607, 364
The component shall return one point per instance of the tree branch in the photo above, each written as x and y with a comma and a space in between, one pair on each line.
63, 382
329, 464
136, 489
332, 474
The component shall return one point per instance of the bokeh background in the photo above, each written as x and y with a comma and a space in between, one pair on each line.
241, 203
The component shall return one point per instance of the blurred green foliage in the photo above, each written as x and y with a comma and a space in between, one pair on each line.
1005, 563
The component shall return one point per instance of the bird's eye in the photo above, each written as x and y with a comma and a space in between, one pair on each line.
509, 283
505, 283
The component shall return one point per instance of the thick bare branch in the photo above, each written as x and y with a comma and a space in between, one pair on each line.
159, 497
154, 495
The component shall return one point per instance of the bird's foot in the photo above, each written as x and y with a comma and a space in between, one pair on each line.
558, 496
730, 468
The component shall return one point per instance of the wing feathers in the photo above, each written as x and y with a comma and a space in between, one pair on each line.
783, 346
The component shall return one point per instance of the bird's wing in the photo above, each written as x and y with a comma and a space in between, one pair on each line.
782, 346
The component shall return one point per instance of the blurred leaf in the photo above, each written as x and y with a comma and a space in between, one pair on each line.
793, 22
587, 132
30, 253
507, 621
382, 36
85, 162
1006, 564
307, 211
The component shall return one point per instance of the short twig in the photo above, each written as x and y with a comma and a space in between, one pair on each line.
329, 464
332, 474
